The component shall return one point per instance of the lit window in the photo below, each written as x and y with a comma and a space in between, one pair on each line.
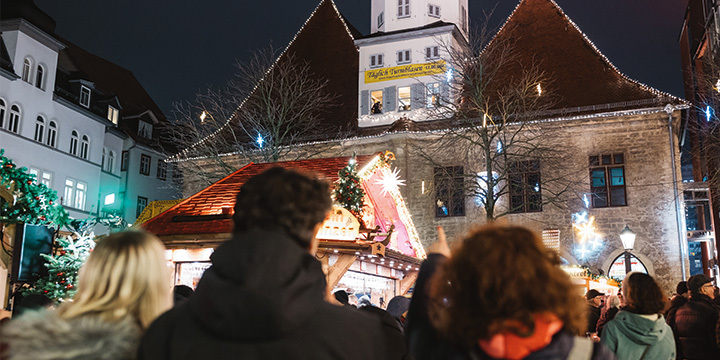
74, 138
433, 95
607, 180
161, 170
617, 269
84, 96
2, 114
69, 190
52, 134
449, 191
433, 10
145, 164
404, 98
141, 204
26, 70
85, 147
403, 56
39, 128
377, 102
432, 52
381, 19
403, 8
14, 121
376, 60
46, 179
80, 191
39, 77
113, 114
75, 193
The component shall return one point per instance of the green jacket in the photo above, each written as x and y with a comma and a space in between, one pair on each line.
631, 336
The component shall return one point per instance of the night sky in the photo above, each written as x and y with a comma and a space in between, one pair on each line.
176, 48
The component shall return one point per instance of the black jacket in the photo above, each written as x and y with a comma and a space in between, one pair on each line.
262, 298
694, 326
675, 303
593, 317
426, 344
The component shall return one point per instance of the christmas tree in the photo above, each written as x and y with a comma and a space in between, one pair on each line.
348, 191
23, 200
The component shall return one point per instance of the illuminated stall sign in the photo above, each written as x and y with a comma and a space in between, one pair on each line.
339, 225
404, 71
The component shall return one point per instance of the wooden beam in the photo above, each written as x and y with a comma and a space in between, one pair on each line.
339, 268
407, 282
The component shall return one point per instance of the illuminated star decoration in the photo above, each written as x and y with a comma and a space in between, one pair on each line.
586, 234
260, 141
389, 181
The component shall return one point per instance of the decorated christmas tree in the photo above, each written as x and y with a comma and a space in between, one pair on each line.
23, 200
348, 192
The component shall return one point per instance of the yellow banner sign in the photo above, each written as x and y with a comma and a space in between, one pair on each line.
404, 71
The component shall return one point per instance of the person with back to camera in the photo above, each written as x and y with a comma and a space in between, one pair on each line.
124, 285
612, 306
695, 324
499, 295
639, 330
264, 297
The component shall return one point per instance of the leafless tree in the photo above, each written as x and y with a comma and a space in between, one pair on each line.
271, 104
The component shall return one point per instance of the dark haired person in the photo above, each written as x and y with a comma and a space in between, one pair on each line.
481, 301
264, 295
679, 299
594, 300
695, 323
639, 331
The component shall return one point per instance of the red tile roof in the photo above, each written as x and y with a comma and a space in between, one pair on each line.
202, 213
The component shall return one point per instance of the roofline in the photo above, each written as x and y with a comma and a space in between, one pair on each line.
406, 34
35, 32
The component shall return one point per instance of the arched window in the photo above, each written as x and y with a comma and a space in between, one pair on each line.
110, 161
39, 77
2, 114
39, 128
14, 121
74, 142
26, 70
102, 161
617, 269
52, 133
84, 147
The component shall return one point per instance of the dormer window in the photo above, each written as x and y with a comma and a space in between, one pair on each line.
84, 96
432, 52
376, 60
403, 8
433, 10
381, 19
145, 129
113, 114
403, 57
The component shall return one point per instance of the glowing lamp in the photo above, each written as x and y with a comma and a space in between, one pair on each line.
203, 116
627, 237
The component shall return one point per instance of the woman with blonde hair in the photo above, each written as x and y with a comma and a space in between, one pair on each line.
124, 285
499, 295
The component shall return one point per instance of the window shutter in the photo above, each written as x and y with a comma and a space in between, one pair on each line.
417, 96
364, 102
390, 98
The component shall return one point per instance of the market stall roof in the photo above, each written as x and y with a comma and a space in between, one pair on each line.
206, 217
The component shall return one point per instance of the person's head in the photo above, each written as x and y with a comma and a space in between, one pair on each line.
642, 294
621, 298
594, 297
286, 200
493, 279
341, 296
682, 289
125, 275
182, 293
701, 284
612, 302
398, 306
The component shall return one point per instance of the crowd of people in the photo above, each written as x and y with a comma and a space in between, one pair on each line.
499, 294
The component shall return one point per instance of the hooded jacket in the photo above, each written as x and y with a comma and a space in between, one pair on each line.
41, 335
262, 298
632, 336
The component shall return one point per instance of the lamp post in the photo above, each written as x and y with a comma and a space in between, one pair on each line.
627, 237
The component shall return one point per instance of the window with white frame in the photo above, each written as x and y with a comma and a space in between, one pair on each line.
433, 95
14, 120
2, 113
376, 60
433, 10
403, 8
39, 128
404, 98
80, 194
26, 70
145, 129
110, 161
376, 97
113, 114
74, 139
142, 202
145, 164
381, 19
51, 134
42, 176
432, 52
161, 170
39, 77
75, 193
85, 147
403, 56
102, 160
84, 96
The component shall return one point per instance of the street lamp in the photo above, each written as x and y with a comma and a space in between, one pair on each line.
627, 237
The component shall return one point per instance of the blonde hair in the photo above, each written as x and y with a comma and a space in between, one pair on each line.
126, 275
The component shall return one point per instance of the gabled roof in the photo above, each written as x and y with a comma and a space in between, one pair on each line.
580, 75
207, 212
326, 43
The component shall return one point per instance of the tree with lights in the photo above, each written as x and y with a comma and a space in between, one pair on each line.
348, 190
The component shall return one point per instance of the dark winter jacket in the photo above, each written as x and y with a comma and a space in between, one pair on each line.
675, 304
593, 317
262, 298
41, 335
393, 332
632, 336
426, 344
695, 328
605, 317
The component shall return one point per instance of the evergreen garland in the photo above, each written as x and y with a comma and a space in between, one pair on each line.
33, 203
348, 192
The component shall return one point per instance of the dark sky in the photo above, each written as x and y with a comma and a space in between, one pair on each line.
177, 47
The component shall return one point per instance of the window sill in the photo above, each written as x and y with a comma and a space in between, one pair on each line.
403, 16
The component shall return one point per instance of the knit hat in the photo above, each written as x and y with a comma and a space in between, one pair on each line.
697, 281
682, 287
593, 293
398, 306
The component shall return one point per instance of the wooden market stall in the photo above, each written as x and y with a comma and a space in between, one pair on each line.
378, 259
